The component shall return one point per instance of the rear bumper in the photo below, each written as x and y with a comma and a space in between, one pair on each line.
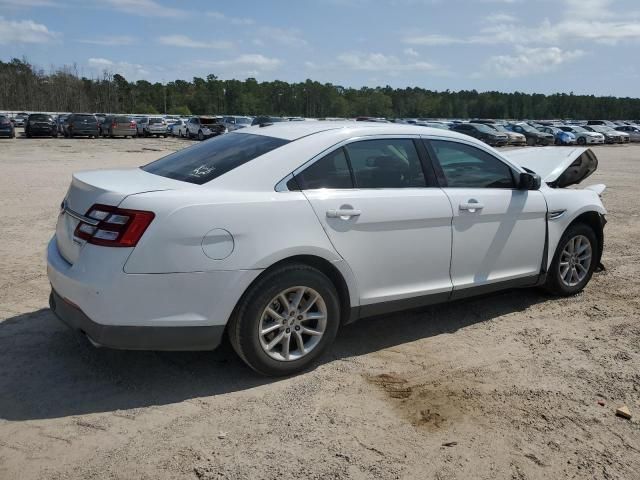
134, 337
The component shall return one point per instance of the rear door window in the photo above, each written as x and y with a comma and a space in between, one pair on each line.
388, 163
331, 171
215, 157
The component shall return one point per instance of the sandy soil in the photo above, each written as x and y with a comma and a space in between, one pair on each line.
505, 386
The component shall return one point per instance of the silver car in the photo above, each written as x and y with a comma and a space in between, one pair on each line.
632, 130
157, 126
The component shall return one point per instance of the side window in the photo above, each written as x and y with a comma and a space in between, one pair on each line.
392, 163
331, 171
465, 166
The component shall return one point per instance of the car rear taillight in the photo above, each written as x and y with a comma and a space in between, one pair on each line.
114, 124
113, 227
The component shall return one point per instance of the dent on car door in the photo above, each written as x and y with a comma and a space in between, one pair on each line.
389, 223
498, 231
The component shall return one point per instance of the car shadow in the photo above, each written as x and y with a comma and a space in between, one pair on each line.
48, 371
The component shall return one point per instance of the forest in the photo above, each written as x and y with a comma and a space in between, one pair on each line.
23, 86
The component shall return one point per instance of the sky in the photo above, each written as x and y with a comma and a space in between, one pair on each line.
544, 46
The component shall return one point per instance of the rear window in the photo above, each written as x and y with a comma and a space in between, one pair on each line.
84, 117
155, 120
122, 119
40, 118
215, 157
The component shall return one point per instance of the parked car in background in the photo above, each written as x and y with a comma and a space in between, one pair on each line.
264, 119
20, 119
610, 135
81, 125
118, 126
7, 129
203, 127
156, 126
561, 137
234, 122
60, 122
607, 123
583, 136
515, 139
277, 236
179, 128
533, 136
40, 125
632, 131
488, 135
440, 125
141, 125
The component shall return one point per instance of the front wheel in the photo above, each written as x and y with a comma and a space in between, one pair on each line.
200, 135
531, 141
574, 261
582, 141
286, 320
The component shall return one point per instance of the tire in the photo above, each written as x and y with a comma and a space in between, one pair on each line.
165, 136
54, 135
250, 313
555, 283
200, 135
531, 142
582, 141
180, 133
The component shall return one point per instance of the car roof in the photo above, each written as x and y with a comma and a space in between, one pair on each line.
295, 130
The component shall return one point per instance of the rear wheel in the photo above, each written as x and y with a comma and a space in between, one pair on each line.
574, 261
531, 141
582, 141
286, 320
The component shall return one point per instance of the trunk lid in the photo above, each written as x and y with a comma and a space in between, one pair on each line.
107, 187
558, 166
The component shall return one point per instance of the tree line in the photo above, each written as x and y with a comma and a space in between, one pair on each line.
23, 86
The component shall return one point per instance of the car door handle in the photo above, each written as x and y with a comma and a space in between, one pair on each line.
343, 212
471, 206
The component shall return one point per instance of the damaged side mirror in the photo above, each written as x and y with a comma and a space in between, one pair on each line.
529, 181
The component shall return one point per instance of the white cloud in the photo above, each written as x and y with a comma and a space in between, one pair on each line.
283, 36
500, 18
25, 31
589, 9
131, 71
248, 65
146, 8
380, 62
232, 20
410, 52
530, 61
29, 3
115, 41
187, 42
548, 33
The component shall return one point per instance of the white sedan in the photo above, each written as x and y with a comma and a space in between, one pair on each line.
278, 234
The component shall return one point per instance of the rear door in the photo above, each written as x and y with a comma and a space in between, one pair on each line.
389, 221
498, 230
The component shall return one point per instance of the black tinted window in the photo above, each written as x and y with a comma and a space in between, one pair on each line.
465, 166
331, 171
392, 163
40, 118
208, 160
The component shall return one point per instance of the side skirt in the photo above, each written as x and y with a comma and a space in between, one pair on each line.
375, 309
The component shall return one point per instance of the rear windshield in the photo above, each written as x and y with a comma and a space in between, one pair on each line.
84, 117
40, 118
155, 120
122, 119
208, 160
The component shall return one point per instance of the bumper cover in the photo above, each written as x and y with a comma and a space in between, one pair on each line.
136, 337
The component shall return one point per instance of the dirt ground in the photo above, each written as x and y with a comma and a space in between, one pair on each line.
504, 386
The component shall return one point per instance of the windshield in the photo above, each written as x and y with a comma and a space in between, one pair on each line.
208, 160
484, 128
208, 121
243, 121
527, 128
500, 128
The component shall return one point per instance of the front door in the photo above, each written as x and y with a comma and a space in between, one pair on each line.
498, 230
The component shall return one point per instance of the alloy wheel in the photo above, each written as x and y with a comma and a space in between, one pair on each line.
575, 260
292, 324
